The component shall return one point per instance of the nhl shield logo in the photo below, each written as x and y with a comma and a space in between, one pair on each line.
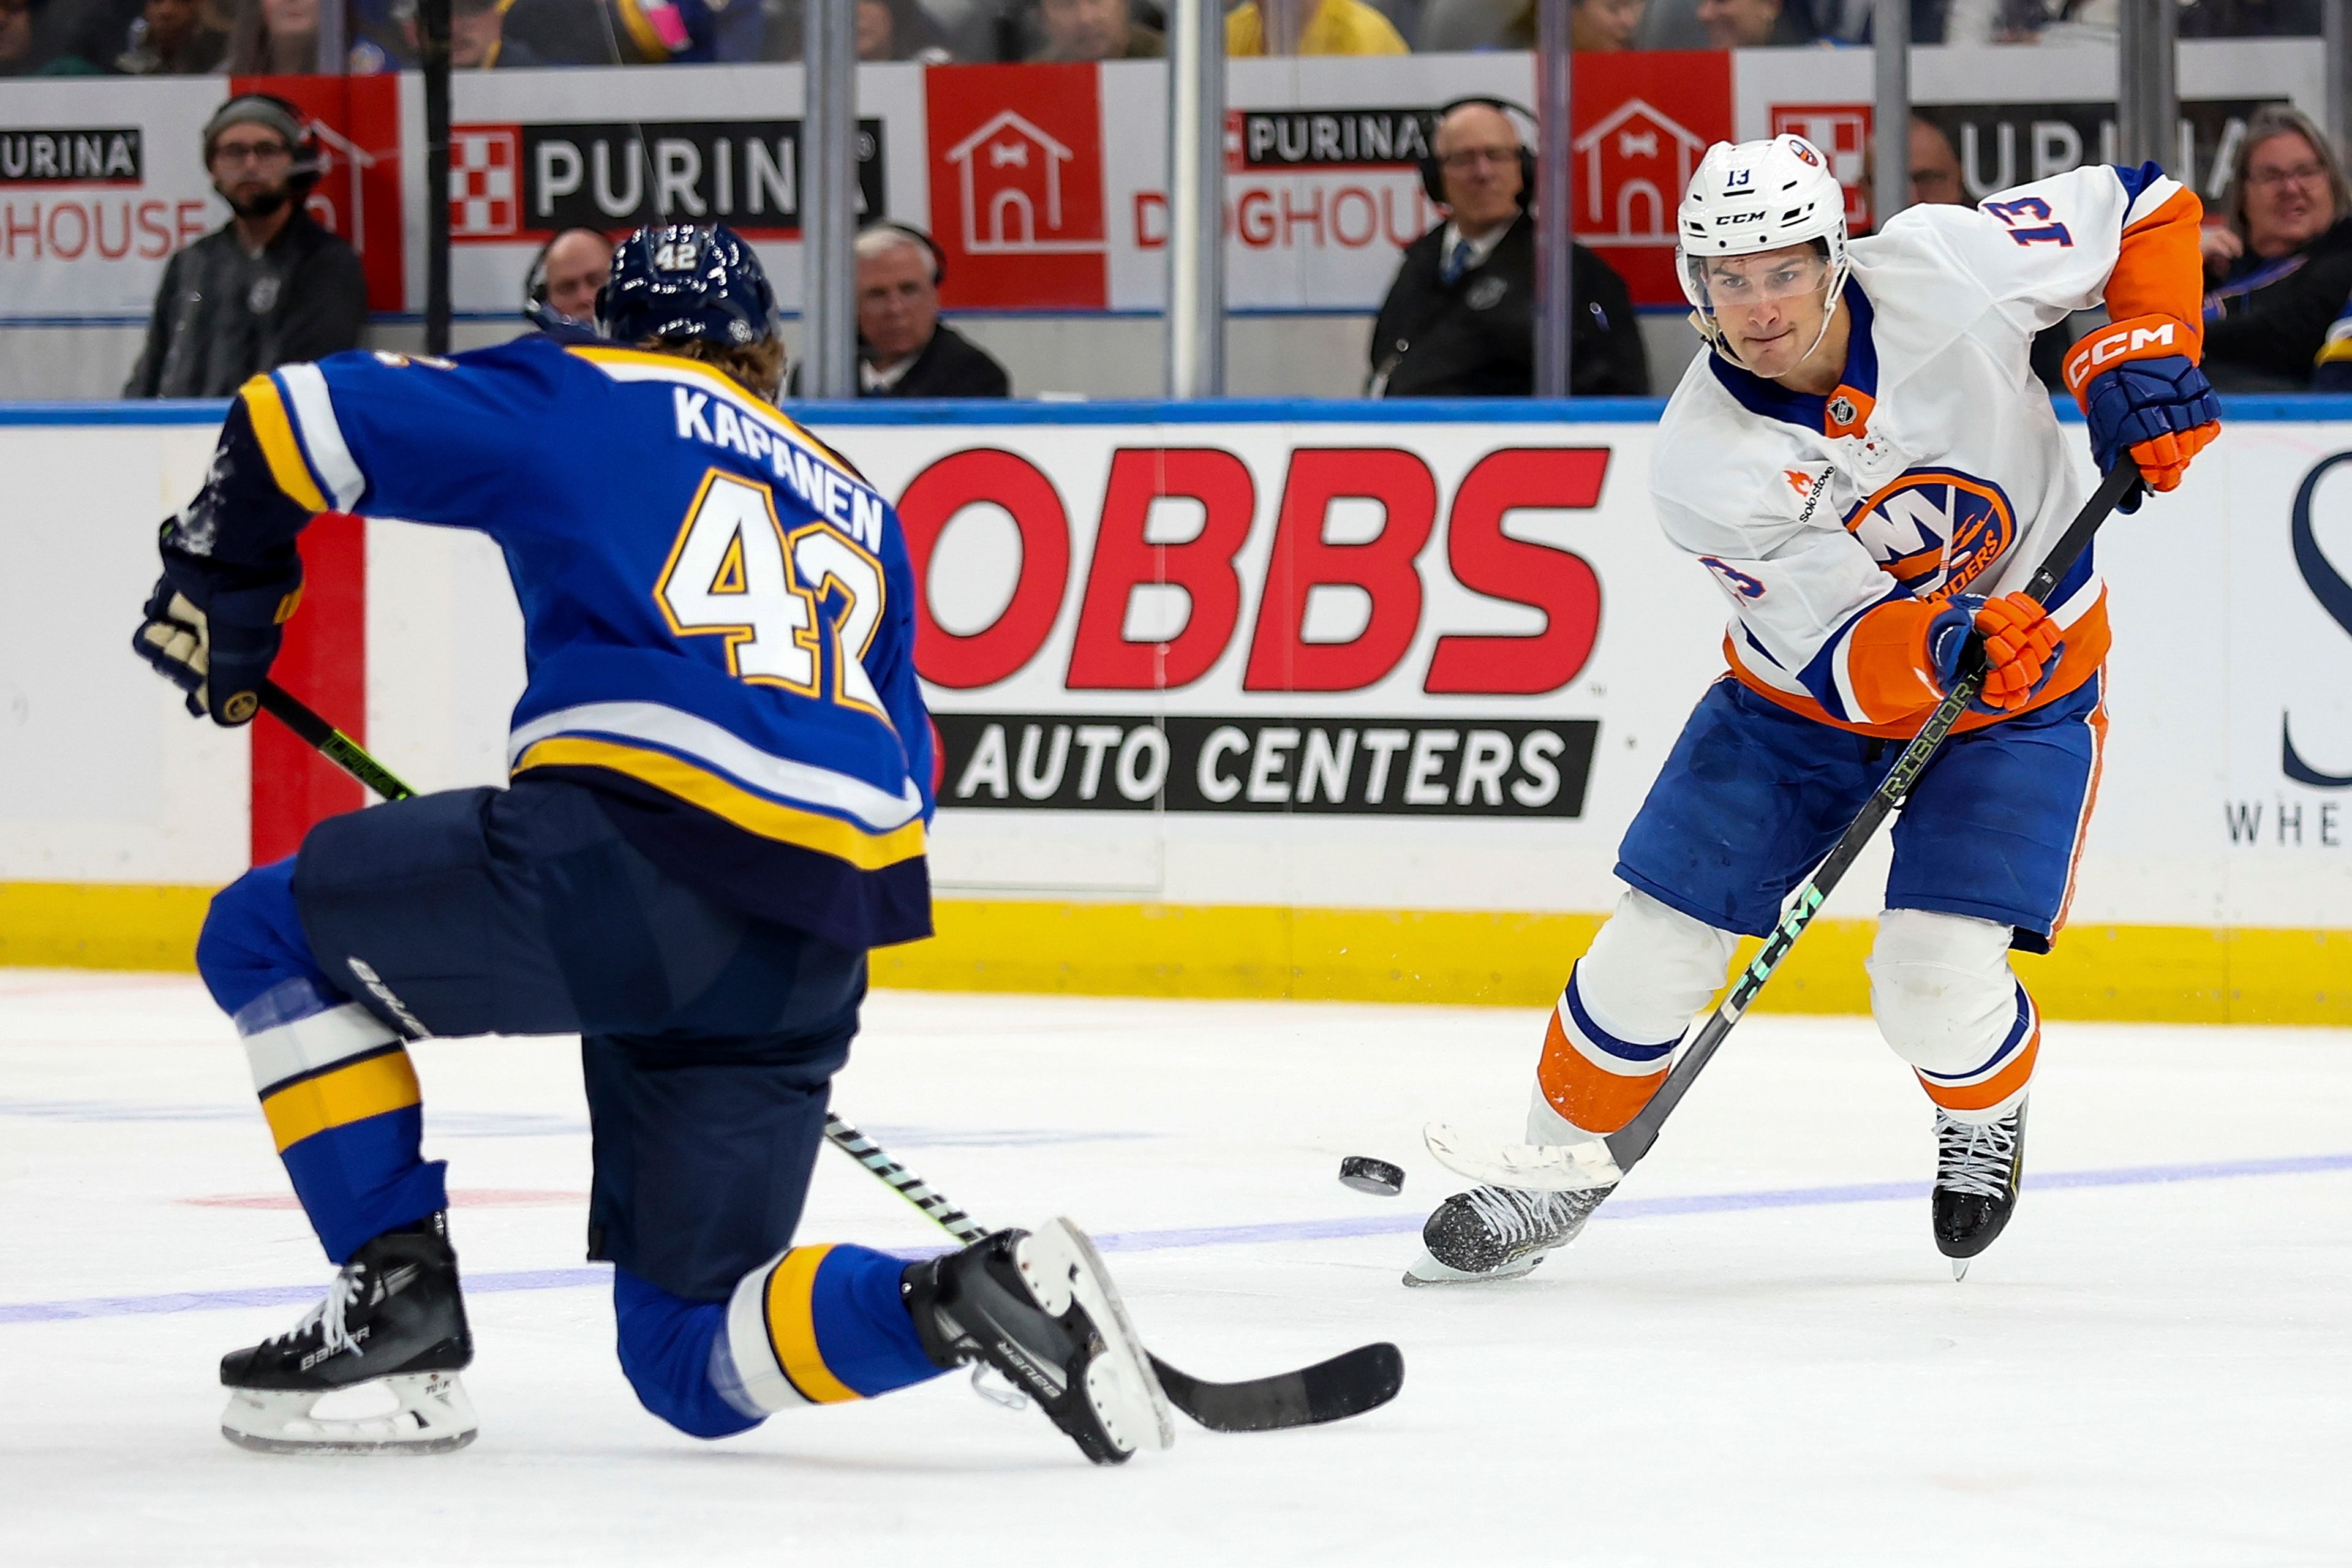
1842, 409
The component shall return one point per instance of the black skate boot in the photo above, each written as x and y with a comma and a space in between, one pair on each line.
393, 1315
1499, 1233
1040, 1311
1976, 1172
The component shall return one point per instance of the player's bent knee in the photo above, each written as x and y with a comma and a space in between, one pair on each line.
665, 1346
252, 939
1650, 968
1941, 989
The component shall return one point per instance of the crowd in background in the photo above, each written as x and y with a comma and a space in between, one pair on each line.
168, 38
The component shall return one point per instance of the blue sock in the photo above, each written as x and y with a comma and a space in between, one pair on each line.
820, 1325
664, 1345
336, 1085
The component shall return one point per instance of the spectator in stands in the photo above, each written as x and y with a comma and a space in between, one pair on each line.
2249, 20
170, 39
1460, 319
904, 350
1096, 30
898, 30
2031, 21
1310, 27
269, 286
16, 37
1594, 26
559, 291
2279, 264
1751, 24
477, 37
1936, 178
275, 38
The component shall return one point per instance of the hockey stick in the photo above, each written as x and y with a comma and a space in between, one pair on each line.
1348, 1384
1557, 1168
1362, 1379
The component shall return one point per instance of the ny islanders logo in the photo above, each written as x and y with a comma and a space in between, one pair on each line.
1935, 530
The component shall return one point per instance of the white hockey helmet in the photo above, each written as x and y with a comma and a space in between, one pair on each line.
1752, 196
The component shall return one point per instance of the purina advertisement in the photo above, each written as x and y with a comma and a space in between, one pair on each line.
1045, 185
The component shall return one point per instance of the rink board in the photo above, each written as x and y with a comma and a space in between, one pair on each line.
1153, 635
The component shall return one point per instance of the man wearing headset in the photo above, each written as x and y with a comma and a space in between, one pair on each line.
1460, 319
903, 348
268, 287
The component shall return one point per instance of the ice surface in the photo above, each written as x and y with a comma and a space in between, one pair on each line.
1756, 1356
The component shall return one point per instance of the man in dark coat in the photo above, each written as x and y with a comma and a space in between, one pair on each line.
904, 350
1460, 319
269, 286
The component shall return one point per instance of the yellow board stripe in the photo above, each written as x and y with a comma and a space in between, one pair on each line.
276, 432
752, 813
2139, 973
792, 1327
338, 1099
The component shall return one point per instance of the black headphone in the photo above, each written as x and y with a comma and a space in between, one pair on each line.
930, 246
534, 282
1433, 172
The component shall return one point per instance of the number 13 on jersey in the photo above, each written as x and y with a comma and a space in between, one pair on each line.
788, 603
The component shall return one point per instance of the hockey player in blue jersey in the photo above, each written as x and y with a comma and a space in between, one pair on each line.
721, 777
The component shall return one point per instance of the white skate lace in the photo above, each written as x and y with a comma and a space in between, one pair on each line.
327, 1315
1509, 1216
1972, 1158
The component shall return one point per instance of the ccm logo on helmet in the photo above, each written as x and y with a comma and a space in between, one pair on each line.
2121, 343
1738, 218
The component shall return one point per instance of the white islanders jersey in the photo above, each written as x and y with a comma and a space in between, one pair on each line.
1936, 467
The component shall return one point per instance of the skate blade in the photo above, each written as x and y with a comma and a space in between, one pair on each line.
1961, 1269
432, 1416
1121, 1385
1531, 1167
1427, 1270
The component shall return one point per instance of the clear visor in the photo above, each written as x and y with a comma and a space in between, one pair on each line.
1717, 281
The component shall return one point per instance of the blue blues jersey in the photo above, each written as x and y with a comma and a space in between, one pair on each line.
718, 610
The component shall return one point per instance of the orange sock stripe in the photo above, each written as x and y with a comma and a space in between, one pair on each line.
1993, 1090
1593, 1098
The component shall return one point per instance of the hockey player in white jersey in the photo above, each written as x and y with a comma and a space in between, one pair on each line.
1866, 465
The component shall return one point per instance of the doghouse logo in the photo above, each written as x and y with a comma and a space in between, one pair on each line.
1935, 530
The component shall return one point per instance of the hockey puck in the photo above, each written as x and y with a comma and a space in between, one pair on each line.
1366, 1174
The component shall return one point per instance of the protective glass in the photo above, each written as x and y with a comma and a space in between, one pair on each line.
1722, 280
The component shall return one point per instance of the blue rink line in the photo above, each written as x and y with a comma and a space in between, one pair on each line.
1190, 1236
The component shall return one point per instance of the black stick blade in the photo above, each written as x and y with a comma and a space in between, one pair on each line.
1362, 1379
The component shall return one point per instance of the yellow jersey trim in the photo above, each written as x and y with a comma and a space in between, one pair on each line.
678, 368
754, 813
266, 407
792, 1327
337, 1098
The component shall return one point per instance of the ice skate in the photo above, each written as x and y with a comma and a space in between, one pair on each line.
1041, 1309
1976, 1172
1499, 1233
393, 1316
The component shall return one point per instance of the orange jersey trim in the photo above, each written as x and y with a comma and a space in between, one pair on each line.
2086, 649
2159, 271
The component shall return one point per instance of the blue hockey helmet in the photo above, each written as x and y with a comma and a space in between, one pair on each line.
686, 280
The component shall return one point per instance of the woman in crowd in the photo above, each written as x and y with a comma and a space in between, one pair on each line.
2278, 267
